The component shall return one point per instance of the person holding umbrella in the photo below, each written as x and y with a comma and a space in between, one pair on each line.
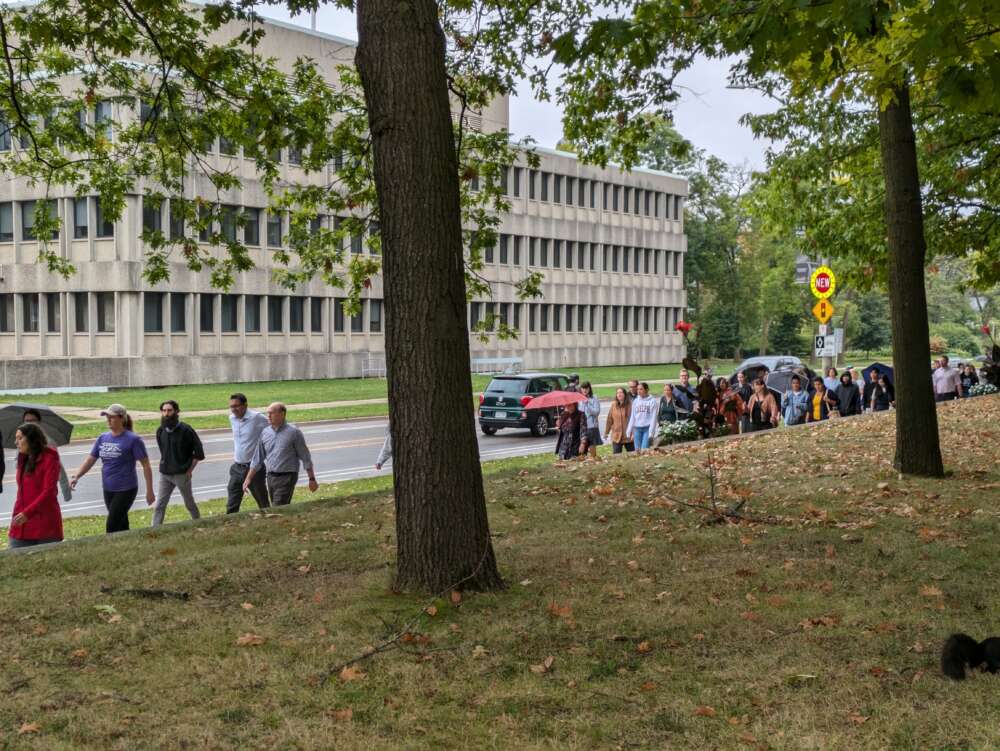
37, 519
569, 428
762, 408
119, 449
34, 415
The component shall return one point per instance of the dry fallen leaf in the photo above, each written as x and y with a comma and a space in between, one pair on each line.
351, 673
704, 712
456, 597
858, 719
249, 640
479, 651
545, 666
648, 686
247, 606
929, 590
29, 727
342, 715
644, 647
431, 611
168, 551
560, 611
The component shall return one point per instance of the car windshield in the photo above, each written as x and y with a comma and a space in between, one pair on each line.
508, 386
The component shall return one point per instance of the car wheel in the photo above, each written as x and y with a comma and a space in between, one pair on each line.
541, 426
487, 430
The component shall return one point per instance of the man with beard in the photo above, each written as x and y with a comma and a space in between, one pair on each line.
180, 452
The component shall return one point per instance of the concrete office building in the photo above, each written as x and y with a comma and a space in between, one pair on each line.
610, 244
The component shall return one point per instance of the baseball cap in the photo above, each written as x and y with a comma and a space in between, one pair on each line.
115, 409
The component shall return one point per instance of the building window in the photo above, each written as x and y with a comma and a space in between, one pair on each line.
81, 218
152, 312
105, 312
228, 217
677, 264
273, 229
593, 318
226, 147
615, 253
5, 140
581, 258
570, 249
251, 314
105, 227
505, 313
581, 318
556, 253
517, 315
375, 316
251, 226
152, 214
29, 313
207, 317
357, 244
570, 191
148, 116
635, 317
358, 320
297, 315
275, 310
294, 155
614, 317
626, 253
204, 223
52, 313
175, 218
544, 316
102, 119
28, 209
474, 314
516, 180
607, 257
627, 199
532, 251
648, 195
504, 243
593, 256
7, 313
178, 312
488, 254
544, 261
517, 250
338, 315
557, 317
557, 188
6, 221
230, 317
532, 182
316, 315
81, 312
532, 317
545, 176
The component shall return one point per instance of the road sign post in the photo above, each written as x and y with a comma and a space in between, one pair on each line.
823, 284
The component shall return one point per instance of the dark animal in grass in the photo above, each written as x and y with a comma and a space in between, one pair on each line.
961, 651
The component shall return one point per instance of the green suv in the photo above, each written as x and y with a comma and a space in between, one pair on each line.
502, 404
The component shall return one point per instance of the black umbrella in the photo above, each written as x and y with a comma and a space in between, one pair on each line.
780, 381
882, 369
56, 429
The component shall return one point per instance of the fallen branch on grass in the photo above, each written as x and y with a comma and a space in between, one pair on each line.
148, 594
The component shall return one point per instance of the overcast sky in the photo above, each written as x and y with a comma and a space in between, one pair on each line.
708, 113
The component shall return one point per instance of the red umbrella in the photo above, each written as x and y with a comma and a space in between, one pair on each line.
555, 399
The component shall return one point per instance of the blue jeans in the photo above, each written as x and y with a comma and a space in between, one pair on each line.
641, 438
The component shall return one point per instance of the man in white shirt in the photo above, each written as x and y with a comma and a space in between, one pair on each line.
247, 426
947, 382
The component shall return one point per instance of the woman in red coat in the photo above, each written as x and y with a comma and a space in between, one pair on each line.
37, 518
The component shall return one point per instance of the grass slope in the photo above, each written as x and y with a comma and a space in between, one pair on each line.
629, 620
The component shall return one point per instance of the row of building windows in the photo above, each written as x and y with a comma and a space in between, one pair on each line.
578, 191
163, 311
82, 218
548, 252
545, 317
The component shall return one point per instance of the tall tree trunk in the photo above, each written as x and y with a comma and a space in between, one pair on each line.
918, 450
443, 536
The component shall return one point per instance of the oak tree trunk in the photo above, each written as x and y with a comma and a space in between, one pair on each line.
443, 536
918, 450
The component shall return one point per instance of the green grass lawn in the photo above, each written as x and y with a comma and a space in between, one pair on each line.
629, 621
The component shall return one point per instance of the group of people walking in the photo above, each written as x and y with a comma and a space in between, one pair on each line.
267, 454
635, 417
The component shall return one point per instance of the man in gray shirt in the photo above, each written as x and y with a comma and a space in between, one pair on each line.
247, 426
282, 447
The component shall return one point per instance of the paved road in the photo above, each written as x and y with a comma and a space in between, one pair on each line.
341, 451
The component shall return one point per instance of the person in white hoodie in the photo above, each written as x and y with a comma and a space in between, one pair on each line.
643, 419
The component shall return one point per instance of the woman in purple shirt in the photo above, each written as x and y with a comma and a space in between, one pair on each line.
119, 449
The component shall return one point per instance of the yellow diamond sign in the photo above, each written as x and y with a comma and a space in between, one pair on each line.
823, 310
